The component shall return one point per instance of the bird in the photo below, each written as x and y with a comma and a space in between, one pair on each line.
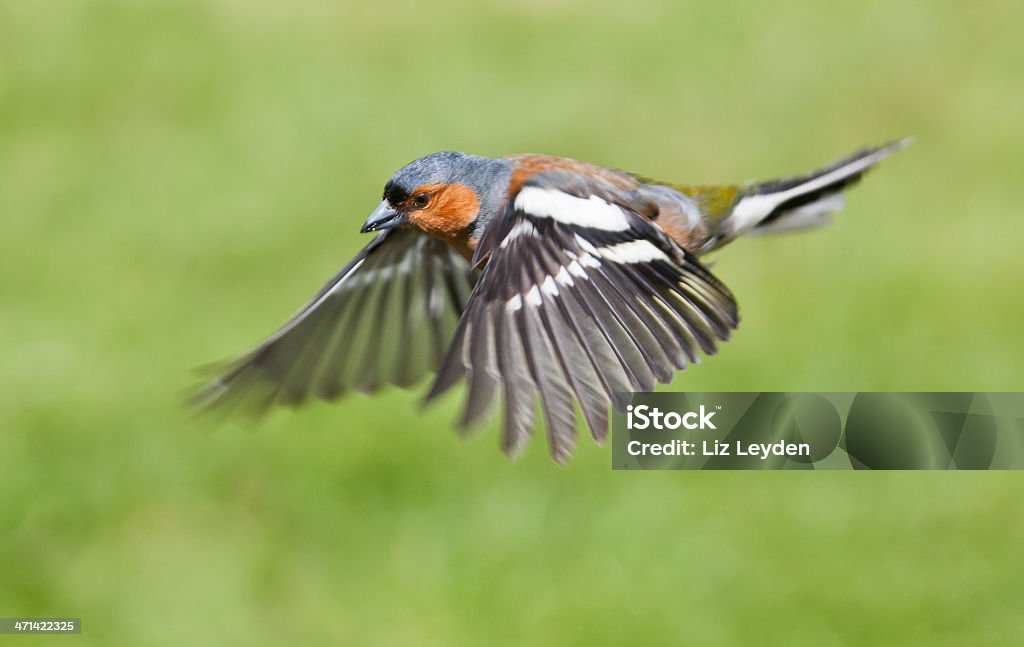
534, 280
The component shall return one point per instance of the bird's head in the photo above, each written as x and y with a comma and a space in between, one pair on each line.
445, 195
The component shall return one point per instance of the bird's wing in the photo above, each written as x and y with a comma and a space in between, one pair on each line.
385, 318
582, 298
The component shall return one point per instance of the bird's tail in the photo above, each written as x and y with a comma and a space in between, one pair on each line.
803, 201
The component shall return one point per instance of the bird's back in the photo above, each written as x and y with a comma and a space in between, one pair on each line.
685, 214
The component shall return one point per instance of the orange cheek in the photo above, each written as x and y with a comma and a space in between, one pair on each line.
447, 217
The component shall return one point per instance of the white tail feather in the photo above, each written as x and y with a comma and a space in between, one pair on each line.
809, 216
752, 210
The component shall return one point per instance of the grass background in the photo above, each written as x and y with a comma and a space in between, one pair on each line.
177, 176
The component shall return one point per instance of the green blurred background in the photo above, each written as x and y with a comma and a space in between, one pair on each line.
176, 177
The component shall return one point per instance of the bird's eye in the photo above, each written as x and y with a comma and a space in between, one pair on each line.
420, 200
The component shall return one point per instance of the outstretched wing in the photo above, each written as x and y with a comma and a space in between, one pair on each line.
581, 299
385, 318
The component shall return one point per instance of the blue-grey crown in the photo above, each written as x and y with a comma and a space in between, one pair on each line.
433, 169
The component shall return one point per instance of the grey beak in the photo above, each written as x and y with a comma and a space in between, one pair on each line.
383, 217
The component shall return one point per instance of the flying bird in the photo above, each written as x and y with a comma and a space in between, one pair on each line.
530, 278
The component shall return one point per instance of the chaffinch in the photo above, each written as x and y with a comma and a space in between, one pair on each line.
529, 277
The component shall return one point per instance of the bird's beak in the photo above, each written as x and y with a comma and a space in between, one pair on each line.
383, 217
